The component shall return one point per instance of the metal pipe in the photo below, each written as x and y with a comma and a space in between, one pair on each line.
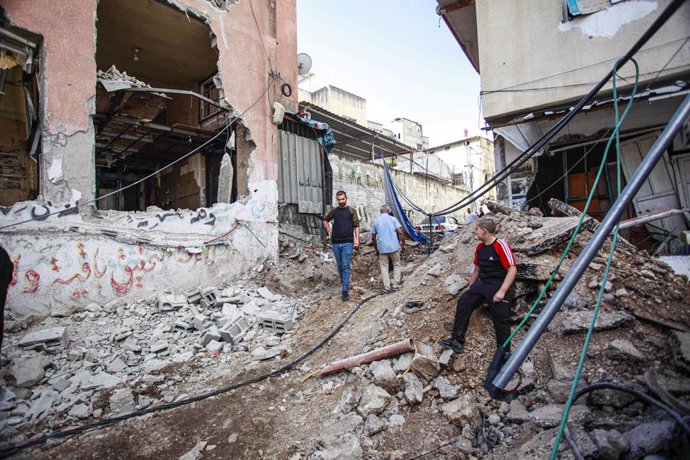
590, 251
374, 355
649, 217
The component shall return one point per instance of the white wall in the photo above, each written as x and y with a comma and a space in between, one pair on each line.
364, 185
523, 46
64, 262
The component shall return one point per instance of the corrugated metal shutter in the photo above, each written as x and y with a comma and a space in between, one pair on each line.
299, 176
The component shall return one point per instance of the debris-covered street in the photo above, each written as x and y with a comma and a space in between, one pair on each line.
295, 229
156, 353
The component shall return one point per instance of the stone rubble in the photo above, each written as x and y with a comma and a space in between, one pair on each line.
118, 351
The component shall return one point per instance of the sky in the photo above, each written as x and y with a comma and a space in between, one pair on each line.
398, 56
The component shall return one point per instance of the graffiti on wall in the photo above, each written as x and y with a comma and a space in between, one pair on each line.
98, 269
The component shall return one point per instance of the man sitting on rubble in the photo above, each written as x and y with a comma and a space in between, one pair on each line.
493, 274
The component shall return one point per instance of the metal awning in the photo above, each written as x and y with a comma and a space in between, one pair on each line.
355, 140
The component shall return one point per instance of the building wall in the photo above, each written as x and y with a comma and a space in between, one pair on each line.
341, 103
541, 52
69, 80
409, 132
70, 259
64, 263
364, 185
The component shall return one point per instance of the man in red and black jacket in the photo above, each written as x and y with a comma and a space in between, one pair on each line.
493, 275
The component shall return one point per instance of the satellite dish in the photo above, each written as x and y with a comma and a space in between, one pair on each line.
303, 63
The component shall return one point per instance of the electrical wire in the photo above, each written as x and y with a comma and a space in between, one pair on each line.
185, 156
10, 450
258, 30
532, 150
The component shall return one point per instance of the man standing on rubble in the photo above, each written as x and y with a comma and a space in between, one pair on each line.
493, 275
388, 240
345, 223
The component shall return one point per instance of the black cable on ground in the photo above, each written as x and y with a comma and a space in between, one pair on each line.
71, 432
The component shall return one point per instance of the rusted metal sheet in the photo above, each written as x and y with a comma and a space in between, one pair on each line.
300, 179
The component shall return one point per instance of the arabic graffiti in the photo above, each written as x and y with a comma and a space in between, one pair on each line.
81, 267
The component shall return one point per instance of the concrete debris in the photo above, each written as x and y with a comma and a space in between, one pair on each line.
28, 370
127, 343
414, 389
446, 390
373, 401
649, 438
49, 337
579, 321
455, 283
680, 345
373, 425
383, 375
463, 411
611, 444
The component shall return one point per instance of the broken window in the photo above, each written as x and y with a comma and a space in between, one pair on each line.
19, 127
158, 99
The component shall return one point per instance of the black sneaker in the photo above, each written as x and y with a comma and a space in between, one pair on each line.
346, 296
453, 344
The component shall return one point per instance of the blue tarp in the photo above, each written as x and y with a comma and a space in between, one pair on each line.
397, 209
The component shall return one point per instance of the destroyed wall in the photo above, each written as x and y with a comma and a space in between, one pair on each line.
71, 259
364, 185
65, 263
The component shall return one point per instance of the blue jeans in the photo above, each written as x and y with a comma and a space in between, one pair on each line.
343, 255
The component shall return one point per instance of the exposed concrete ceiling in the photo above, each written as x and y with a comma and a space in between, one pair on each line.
173, 48
461, 18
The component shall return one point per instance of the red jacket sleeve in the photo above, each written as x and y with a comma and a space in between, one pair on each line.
505, 253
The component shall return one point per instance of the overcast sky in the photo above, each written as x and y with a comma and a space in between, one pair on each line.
397, 55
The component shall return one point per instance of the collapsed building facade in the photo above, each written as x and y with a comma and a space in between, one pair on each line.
535, 66
138, 144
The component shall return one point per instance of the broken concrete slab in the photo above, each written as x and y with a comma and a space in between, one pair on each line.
463, 411
455, 283
27, 370
122, 401
579, 321
610, 444
446, 390
549, 416
373, 401
624, 350
414, 389
649, 438
383, 375
49, 337
373, 425
426, 367
261, 354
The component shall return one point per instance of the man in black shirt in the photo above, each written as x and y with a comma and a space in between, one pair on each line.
345, 223
493, 274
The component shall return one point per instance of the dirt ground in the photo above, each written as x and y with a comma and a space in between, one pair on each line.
284, 417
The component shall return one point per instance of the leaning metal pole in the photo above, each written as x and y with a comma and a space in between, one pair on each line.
580, 265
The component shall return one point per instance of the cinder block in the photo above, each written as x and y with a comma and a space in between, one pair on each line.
199, 322
210, 295
209, 335
234, 331
193, 295
272, 321
168, 302
49, 337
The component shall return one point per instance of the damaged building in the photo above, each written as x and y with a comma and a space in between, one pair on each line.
535, 66
138, 144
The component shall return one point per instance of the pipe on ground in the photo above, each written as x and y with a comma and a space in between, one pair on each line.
373, 355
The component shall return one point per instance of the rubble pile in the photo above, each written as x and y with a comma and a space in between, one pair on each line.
113, 359
123, 357
641, 340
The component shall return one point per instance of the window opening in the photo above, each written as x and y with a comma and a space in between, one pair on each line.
155, 102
